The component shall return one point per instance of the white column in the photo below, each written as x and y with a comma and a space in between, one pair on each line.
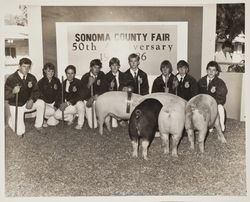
35, 40
61, 48
208, 35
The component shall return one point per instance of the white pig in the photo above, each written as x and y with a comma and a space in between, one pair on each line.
202, 114
114, 104
171, 119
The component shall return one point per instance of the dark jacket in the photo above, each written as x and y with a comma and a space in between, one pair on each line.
50, 91
188, 88
110, 77
133, 83
74, 94
217, 89
27, 91
99, 86
159, 84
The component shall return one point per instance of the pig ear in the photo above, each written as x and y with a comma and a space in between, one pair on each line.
137, 113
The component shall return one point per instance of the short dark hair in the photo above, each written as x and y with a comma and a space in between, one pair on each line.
166, 63
133, 55
182, 63
214, 64
228, 44
50, 66
26, 61
114, 61
96, 62
70, 67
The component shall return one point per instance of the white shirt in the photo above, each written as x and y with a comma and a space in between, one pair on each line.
21, 75
208, 79
164, 78
133, 72
67, 86
94, 76
179, 77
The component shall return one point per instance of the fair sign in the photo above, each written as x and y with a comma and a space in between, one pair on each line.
79, 43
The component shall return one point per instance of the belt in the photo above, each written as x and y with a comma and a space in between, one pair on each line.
128, 101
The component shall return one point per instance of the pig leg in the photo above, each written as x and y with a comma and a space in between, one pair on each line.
100, 123
190, 133
165, 142
107, 122
176, 138
201, 139
135, 148
219, 131
145, 144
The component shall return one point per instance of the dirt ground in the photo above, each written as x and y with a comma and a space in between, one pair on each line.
67, 162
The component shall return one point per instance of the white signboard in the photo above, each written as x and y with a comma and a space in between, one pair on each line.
79, 43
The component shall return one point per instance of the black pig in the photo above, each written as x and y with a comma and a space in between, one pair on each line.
143, 124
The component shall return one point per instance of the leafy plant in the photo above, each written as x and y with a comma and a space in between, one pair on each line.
230, 21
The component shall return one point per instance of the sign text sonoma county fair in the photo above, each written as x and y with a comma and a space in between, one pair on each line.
89, 41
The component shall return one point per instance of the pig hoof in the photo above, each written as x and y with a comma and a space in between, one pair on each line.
165, 151
145, 158
223, 140
192, 147
175, 155
134, 155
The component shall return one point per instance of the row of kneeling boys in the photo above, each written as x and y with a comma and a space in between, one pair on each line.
54, 100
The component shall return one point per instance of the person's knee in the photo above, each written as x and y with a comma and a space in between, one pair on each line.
80, 105
49, 112
40, 103
58, 114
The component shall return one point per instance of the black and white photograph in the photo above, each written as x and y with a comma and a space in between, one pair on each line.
124, 100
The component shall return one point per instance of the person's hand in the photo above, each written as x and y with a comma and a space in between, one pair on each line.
16, 89
63, 106
29, 104
139, 80
127, 89
90, 102
91, 81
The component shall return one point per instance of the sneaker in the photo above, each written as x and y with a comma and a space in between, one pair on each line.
211, 130
20, 136
78, 127
41, 130
69, 123
157, 134
45, 125
223, 128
